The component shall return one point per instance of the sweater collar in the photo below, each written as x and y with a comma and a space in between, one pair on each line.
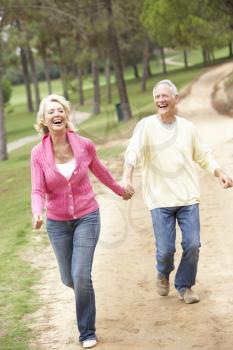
74, 141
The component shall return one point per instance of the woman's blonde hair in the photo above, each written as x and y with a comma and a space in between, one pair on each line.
39, 126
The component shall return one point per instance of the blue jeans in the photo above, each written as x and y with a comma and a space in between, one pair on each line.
164, 224
74, 244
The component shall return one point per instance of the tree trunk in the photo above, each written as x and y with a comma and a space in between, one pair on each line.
46, 72
163, 60
185, 59
63, 76
212, 56
204, 55
3, 146
135, 70
230, 49
80, 86
34, 76
149, 69
26, 78
108, 80
62, 69
115, 56
95, 77
145, 73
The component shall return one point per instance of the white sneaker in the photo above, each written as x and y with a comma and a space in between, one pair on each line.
89, 343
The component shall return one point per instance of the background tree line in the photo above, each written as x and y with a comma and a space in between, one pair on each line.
46, 39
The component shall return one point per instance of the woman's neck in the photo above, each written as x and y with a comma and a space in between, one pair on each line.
59, 139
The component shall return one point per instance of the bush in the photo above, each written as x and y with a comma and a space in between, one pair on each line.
7, 90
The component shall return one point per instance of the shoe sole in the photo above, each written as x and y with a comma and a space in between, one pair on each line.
187, 301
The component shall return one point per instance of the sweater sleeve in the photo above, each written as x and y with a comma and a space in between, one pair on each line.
102, 173
202, 154
38, 186
134, 150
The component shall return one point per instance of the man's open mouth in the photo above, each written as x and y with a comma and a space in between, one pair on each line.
163, 106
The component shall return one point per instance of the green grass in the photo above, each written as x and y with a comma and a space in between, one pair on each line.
16, 275
195, 56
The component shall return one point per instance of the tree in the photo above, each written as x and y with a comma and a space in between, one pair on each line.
3, 147
116, 59
184, 25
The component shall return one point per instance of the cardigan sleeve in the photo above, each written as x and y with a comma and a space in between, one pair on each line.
38, 185
102, 173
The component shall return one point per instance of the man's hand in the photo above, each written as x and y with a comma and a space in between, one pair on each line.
129, 189
224, 179
37, 222
129, 192
127, 182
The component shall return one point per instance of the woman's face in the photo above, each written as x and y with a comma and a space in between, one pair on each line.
55, 117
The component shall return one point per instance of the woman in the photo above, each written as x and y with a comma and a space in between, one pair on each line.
60, 182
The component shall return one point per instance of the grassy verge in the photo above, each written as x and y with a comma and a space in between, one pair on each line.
16, 275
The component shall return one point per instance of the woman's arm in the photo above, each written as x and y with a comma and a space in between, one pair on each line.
38, 191
102, 173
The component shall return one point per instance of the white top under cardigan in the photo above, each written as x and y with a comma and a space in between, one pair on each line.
66, 169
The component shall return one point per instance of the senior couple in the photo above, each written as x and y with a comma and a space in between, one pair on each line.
168, 146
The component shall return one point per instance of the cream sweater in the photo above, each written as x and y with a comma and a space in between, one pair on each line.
168, 154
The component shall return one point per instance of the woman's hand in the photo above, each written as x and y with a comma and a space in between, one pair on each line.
37, 221
129, 190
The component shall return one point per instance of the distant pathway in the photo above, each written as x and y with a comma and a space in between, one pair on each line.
171, 60
76, 117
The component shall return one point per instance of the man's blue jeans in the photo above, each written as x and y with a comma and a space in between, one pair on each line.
74, 244
164, 224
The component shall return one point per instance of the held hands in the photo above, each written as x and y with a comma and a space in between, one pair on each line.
129, 190
37, 221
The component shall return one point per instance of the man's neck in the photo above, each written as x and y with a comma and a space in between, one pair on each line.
167, 119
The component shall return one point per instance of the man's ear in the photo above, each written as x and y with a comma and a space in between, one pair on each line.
177, 97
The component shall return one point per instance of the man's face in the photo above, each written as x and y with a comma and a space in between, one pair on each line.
165, 101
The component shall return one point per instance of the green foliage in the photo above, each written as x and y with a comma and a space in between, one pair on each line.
179, 23
7, 90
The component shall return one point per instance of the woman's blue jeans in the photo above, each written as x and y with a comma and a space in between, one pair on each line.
74, 244
164, 224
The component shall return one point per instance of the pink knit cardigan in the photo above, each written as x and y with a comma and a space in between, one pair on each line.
63, 199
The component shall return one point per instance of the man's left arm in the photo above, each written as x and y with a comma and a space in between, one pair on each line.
203, 156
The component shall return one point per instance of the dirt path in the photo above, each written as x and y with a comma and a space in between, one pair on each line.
130, 314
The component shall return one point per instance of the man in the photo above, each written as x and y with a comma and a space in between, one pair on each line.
169, 146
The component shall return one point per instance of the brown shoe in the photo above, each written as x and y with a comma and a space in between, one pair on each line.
189, 297
162, 285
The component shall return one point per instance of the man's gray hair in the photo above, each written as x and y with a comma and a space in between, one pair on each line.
170, 84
